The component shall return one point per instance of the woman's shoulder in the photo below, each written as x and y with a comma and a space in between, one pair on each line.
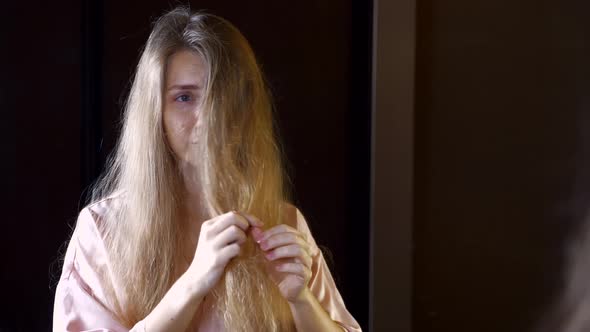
86, 262
88, 232
101, 207
292, 216
86, 277
86, 250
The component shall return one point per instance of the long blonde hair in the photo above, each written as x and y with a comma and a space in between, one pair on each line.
241, 170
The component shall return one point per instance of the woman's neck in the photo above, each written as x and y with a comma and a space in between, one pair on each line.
193, 207
192, 198
192, 215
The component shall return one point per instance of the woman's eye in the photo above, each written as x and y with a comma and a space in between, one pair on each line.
183, 98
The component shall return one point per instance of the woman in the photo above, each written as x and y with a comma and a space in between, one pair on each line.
189, 229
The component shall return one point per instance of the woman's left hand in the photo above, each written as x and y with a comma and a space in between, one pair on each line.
289, 258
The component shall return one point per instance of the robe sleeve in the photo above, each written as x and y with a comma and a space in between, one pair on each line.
80, 303
322, 284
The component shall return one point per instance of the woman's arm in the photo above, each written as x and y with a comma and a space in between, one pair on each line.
220, 240
297, 266
176, 309
80, 303
309, 315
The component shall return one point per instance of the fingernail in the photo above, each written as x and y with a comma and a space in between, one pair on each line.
256, 232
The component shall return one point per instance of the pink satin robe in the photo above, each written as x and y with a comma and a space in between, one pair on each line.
80, 302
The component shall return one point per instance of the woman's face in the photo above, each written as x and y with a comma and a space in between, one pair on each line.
186, 75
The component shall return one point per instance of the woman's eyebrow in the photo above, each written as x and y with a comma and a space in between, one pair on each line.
184, 87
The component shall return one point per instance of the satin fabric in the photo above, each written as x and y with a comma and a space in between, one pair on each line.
80, 301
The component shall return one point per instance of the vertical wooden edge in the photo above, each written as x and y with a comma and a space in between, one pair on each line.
392, 164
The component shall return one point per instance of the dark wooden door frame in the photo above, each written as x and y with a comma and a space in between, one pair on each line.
392, 164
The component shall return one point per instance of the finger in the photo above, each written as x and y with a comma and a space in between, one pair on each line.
303, 261
230, 235
227, 253
283, 239
226, 220
252, 220
242, 217
282, 228
290, 251
294, 268
307, 260
257, 233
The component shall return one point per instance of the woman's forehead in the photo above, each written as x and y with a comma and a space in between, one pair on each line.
185, 68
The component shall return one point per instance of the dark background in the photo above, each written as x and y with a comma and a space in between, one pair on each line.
66, 69
501, 142
501, 182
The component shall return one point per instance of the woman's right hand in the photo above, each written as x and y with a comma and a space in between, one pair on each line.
220, 239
